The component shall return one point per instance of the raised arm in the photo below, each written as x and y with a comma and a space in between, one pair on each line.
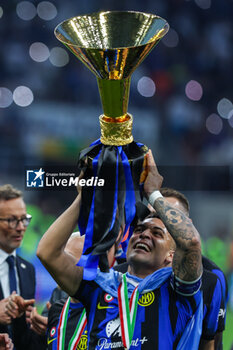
60, 264
187, 264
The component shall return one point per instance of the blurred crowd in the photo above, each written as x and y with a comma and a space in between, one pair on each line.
190, 69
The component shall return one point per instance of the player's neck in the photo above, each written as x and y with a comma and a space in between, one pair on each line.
140, 272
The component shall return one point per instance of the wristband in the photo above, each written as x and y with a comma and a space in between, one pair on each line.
153, 196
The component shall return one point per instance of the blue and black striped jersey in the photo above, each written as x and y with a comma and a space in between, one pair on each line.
162, 316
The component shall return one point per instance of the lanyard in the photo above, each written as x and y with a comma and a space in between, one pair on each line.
127, 311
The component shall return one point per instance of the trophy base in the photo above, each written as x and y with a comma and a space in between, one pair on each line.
116, 131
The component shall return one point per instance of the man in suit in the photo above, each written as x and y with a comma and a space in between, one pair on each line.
16, 274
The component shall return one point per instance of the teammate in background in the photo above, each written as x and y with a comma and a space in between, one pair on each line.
66, 322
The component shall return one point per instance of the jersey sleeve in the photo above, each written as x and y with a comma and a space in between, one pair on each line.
185, 288
212, 310
225, 297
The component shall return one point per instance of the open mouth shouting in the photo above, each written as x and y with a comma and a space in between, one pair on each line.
142, 246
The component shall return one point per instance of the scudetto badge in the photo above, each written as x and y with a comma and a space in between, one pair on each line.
108, 298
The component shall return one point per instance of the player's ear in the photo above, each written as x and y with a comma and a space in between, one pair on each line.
169, 257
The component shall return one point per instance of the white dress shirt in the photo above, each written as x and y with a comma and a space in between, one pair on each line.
4, 273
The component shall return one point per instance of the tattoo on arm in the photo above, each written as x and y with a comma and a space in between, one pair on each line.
187, 258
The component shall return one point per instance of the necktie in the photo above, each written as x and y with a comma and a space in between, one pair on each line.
12, 278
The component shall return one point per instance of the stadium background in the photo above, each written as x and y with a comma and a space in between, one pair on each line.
181, 100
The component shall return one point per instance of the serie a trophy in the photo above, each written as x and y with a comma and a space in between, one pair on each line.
111, 45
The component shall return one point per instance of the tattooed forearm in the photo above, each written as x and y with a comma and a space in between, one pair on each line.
179, 225
187, 259
187, 265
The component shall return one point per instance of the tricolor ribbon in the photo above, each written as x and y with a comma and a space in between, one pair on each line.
127, 311
61, 332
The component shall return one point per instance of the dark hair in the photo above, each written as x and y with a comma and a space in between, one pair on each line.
152, 215
8, 192
170, 192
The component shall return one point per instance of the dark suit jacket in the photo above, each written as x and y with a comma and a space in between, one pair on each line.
23, 337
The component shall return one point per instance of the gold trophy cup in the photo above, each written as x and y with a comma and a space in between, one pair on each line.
111, 45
